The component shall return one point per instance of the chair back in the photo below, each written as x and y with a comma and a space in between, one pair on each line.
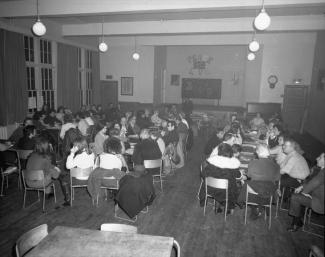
216, 182
24, 154
113, 227
251, 190
112, 182
151, 164
9, 158
30, 239
33, 175
81, 174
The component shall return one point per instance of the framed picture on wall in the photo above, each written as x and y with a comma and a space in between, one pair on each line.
175, 80
126, 85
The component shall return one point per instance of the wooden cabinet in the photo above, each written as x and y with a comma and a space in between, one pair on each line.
294, 106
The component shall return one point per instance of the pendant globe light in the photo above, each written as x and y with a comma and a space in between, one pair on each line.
102, 45
135, 55
251, 57
38, 28
262, 21
254, 45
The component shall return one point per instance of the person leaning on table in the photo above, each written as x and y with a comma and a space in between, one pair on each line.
310, 194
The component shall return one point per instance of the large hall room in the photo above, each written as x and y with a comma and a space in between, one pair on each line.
152, 128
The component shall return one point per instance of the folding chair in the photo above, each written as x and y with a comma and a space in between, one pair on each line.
36, 175
114, 227
10, 165
198, 192
218, 184
249, 190
307, 223
78, 179
151, 164
30, 239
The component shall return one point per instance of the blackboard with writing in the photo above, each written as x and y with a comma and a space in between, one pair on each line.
201, 88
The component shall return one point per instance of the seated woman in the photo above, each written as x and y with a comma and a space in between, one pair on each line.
41, 159
100, 138
222, 166
133, 128
80, 156
112, 158
257, 122
277, 151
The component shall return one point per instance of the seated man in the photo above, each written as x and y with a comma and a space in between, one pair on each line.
50, 120
18, 133
27, 142
214, 141
294, 168
310, 194
263, 173
146, 149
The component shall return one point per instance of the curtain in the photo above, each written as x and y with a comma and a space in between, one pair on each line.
96, 77
67, 86
13, 78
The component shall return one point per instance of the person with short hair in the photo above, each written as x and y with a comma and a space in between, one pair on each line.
80, 155
214, 141
228, 138
69, 122
294, 168
19, 132
27, 142
109, 159
277, 151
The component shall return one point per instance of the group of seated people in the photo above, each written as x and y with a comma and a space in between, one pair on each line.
117, 144
276, 160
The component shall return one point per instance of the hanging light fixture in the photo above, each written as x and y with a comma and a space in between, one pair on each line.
102, 45
38, 28
251, 56
135, 55
254, 45
262, 21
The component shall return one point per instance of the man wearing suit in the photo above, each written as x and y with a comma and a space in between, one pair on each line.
311, 194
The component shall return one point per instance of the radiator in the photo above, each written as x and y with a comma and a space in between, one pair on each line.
6, 131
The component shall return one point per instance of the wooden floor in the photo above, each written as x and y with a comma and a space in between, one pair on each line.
176, 213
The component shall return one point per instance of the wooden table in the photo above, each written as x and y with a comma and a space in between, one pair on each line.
68, 241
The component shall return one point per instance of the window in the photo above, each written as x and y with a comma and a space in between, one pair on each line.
40, 70
89, 78
85, 77
80, 72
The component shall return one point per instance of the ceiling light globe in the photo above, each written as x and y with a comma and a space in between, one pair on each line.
251, 56
102, 47
254, 46
136, 56
262, 20
39, 28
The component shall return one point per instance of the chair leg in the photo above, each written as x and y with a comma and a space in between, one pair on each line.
2, 182
54, 192
246, 212
205, 204
226, 208
24, 203
44, 200
7, 181
177, 247
198, 193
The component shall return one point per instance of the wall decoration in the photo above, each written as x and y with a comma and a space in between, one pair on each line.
199, 63
175, 80
272, 80
321, 80
126, 85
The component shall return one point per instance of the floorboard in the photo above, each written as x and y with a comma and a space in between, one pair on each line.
175, 212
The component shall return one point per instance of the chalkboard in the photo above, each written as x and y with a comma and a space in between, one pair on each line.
201, 88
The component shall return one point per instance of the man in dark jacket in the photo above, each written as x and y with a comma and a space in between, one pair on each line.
309, 195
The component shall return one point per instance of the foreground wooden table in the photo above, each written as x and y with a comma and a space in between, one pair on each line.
67, 241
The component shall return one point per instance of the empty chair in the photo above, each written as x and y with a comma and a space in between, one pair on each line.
114, 227
30, 239
249, 191
9, 165
218, 184
152, 164
36, 176
109, 183
307, 226
78, 179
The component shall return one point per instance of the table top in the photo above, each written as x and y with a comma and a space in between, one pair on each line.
68, 241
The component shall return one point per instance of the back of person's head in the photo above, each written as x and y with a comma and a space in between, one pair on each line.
114, 132
29, 130
42, 146
172, 123
154, 134
112, 146
262, 151
81, 144
225, 150
144, 134
236, 148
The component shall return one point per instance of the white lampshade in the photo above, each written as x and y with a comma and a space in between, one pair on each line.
262, 20
251, 56
136, 56
39, 28
102, 47
254, 46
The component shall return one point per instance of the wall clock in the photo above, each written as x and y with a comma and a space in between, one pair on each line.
272, 80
